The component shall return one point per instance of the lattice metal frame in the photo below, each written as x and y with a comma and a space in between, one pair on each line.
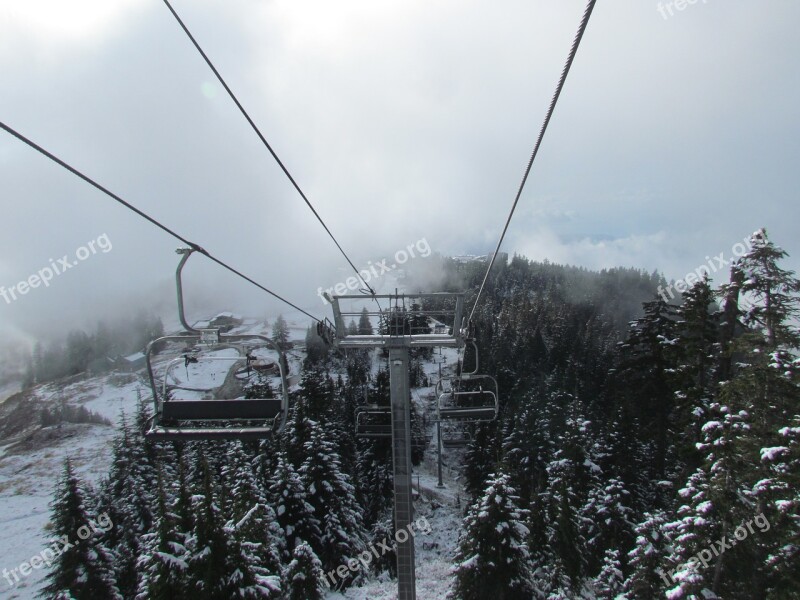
395, 315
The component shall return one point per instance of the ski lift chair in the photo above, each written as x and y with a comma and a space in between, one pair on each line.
456, 439
373, 421
471, 405
216, 419
235, 419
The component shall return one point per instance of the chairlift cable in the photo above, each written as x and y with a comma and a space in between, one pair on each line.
573, 51
265, 142
147, 217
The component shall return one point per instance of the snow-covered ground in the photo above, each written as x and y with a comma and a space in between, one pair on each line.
28, 478
8, 389
28, 474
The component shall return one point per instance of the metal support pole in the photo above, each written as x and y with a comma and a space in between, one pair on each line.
401, 455
439, 451
439, 433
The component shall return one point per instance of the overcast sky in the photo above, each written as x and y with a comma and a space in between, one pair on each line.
676, 136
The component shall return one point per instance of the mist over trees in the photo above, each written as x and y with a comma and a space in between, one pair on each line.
644, 449
636, 454
80, 351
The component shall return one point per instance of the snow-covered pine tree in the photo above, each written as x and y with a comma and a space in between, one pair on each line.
607, 523
183, 497
492, 560
280, 333
481, 458
83, 570
608, 584
645, 378
163, 565
773, 290
316, 390
295, 433
374, 479
127, 497
313, 403
342, 426
332, 496
782, 564
382, 535
303, 577
765, 387
527, 450
253, 520
696, 349
294, 514
218, 568
570, 474
647, 559
715, 502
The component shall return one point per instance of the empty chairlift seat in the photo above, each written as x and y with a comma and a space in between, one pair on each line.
374, 421
217, 419
474, 405
209, 419
212, 410
455, 439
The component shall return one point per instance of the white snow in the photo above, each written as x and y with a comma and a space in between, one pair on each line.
770, 454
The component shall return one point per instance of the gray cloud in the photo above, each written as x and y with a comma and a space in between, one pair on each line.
401, 120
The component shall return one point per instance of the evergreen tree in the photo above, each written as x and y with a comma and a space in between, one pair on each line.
128, 500
364, 324
294, 514
647, 579
782, 507
375, 479
82, 570
280, 333
382, 536
607, 519
316, 348
253, 521
696, 351
481, 458
715, 501
163, 565
352, 327
608, 584
218, 567
571, 474
492, 560
303, 577
317, 391
774, 292
527, 450
332, 497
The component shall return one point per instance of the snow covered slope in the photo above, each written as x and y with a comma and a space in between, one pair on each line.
30, 464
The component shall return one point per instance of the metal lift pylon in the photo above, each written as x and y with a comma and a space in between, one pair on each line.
401, 329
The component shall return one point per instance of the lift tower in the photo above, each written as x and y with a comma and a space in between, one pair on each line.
409, 321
